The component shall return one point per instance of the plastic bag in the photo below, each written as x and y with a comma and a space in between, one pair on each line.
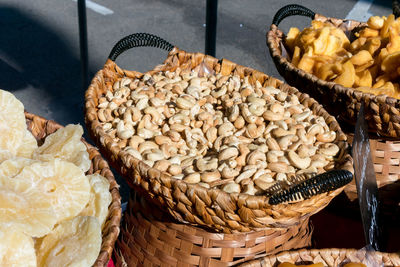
204, 70
369, 256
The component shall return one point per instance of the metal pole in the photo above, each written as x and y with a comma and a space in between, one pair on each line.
211, 26
83, 42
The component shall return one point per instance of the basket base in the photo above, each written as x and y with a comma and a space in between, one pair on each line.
163, 242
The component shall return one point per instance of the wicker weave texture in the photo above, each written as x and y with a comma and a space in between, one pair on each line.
329, 257
386, 159
161, 242
396, 8
382, 112
193, 203
40, 128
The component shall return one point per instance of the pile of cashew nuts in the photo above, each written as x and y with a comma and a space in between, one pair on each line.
216, 131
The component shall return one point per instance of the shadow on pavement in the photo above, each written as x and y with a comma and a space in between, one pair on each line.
32, 54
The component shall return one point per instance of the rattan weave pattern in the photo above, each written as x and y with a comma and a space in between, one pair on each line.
396, 8
192, 203
332, 257
40, 128
386, 158
161, 242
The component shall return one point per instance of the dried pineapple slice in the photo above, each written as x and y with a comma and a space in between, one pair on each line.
28, 146
27, 211
12, 167
12, 124
16, 248
61, 183
65, 144
100, 198
75, 242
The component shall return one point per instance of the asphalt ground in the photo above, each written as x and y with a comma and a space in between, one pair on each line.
39, 41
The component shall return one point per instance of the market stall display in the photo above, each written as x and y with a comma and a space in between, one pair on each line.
229, 210
344, 102
52, 212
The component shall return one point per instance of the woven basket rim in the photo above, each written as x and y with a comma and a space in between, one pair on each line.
111, 228
274, 32
165, 178
394, 258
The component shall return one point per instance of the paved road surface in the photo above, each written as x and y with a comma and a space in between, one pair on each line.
39, 44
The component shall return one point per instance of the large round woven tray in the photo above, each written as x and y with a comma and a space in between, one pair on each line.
332, 257
190, 202
381, 112
150, 238
40, 128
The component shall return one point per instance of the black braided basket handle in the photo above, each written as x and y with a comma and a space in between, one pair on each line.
321, 183
292, 10
137, 40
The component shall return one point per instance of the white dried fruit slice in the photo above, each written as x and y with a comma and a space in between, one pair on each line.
100, 198
16, 248
28, 146
65, 144
25, 209
12, 124
75, 242
82, 160
61, 183
13, 166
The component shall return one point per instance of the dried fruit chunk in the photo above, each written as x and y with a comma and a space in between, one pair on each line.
12, 167
28, 146
65, 144
100, 198
75, 242
61, 183
27, 211
16, 248
12, 124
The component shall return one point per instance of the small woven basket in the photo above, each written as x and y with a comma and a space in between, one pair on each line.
332, 257
40, 128
382, 113
191, 203
150, 238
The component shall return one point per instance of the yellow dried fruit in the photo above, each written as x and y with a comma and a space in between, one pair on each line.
75, 242
16, 248
65, 144
12, 124
28, 146
61, 183
100, 198
25, 209
12, 167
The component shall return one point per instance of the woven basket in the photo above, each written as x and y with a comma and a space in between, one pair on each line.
332, 257
189, 202
149, 238
382, 113
396, 8
40, 128
386, 159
